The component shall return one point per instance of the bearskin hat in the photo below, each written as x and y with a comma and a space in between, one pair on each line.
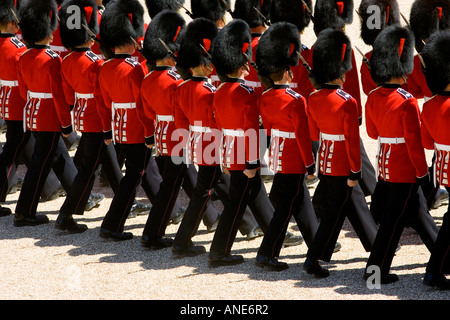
8, 11
332, 56
333, 14
390, 15
292, 11
427, 17
436, 55
71, 36
278, 48
156, 6
199, 37
210, 9
392, 55
167, 26
231, 47
245, 10
38, 20
121, 21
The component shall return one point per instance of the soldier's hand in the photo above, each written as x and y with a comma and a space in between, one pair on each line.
150, 146
225, 170
108, 141
311, 176
250, 173
352, 183
66, 135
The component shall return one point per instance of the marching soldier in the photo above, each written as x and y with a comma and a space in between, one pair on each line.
333, 120
47, 114
236, 114
158, 92
392, 118
283, 112
193, 113
119, 79
11, 102
435, 135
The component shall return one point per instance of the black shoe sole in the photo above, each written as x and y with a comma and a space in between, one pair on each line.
79, 229
269, 267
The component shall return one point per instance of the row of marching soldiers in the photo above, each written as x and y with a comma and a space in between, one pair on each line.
307, 101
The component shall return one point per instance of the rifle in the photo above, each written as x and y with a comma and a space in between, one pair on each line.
263, 17
168, 49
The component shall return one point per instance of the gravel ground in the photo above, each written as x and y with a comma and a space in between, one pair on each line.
42, 263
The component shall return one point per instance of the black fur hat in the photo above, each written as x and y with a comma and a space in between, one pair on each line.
245, 10
436, 55
210, 9
392, 55
390, 15
232, 42
200, 33
38, 20
332, 56
427, 17
292, 11
168, 26
333, 14
121, 21
72, 37
8, 11
278, 48
156, 6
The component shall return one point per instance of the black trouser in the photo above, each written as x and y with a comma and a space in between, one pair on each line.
136, 159
16, 140
337, 205
289, 194
439, 262
206, 181
172, 178
89, 152
48, 153
242, 191
400, 200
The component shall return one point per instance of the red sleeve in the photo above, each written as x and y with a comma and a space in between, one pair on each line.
69, 93
300, 122
371, 129
427, 140
251, 128
411, 128
314, 131
22, 85
104, 103
351, 85
136, 77
61, 106
351, 134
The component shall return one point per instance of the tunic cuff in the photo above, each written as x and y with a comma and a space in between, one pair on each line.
149, 140
67, 130
354, 176
311, 169
255, 164
107, 135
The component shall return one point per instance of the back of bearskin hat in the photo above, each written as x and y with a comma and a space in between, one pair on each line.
231, 47
73, 36
392, 55
156, 6
38, 20
427, 17
389, 15
278, 48
8, 11
196, 45
436, 55
332, 56
168, 26
292, 11
245, 10
210, 9
333, 14
121, 21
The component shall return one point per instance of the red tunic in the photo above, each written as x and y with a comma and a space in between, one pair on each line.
252, 79
79, 73
333, 119
236, 114
284, 115
194, 112
435, 132
39, 76
301, 82
120, 79
11, 103
417, 83
392, 117
367, 82
158, 92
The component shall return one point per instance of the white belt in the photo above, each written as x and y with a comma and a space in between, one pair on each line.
39, 95
84, 95
332, 137
442, 147
392, 140
283, 134
124, 105
233, 133
164, 118
9, 83
200, 129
